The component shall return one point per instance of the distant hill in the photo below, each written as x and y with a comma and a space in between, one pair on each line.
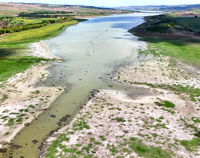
13, 9
163, 7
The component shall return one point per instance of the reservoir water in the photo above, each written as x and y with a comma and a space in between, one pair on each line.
91, 50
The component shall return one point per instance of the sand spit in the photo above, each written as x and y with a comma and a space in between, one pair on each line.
160, 70
21, 101
40, 49
117, 124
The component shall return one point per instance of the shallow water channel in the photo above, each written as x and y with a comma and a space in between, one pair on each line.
90, 50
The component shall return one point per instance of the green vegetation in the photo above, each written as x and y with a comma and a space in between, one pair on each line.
135, 145
45, 14
76, 151
127, 146
34, 35
30, 26
13, 118
193, 93
185, 50
9, 67
119, 119
32, 20
35, 23
191, 145
22, 27
81, 125
196, 120
164, 23
52, 150
8, 21
10, 62
146, 151
166, 104
165, 34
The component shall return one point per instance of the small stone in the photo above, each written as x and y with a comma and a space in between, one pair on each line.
52, 115
26, 124
34, 141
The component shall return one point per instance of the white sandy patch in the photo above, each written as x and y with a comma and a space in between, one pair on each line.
160, 71
40, 49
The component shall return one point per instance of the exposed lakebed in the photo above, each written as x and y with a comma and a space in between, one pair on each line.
91, 51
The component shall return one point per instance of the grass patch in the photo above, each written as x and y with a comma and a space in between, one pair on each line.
193, 93
119, 119
191, 145
12, 66
81, 125
34, 35
52, 150
13, 43
166, 104
196, 120
187, 51
11, 122
146, 151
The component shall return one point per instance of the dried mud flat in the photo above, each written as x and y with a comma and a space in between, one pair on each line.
157, 120
21, 101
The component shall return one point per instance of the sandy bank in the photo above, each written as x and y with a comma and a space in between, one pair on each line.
159, 70
115, 123
21, 100
40, 49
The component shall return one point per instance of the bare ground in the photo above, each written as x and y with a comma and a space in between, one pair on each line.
107, 124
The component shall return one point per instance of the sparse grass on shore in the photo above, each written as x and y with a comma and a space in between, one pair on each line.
192, 92
147, 151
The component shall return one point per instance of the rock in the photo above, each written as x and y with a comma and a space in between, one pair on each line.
52, 115
26, 124
110, 86
64, 118
15, 146
3, 142
59, 123
3, 150
34, 141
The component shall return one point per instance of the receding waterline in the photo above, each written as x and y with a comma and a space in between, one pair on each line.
90, 51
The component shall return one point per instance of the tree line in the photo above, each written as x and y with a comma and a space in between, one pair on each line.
6, 21
18, 28
44, 14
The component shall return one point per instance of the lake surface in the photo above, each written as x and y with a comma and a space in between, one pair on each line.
90, 50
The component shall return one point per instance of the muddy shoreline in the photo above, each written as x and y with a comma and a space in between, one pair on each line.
29, 100
98, 114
